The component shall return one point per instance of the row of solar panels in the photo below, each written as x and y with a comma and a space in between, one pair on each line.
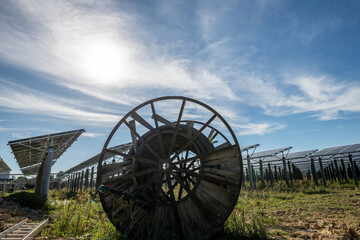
31, 152
265, 156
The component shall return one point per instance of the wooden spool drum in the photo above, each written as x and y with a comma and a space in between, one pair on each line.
181, 178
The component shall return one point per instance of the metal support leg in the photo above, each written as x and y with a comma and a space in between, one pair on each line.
313, 170
82, 180
253, 176
290, 173
285, 172
344, 170
353, 170
322, 172
44, 176
262, 173
250, 172
87, 178
271, 175
92, 178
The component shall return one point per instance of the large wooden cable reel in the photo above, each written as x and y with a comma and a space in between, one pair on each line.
180, 180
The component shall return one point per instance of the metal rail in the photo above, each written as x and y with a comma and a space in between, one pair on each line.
23, 230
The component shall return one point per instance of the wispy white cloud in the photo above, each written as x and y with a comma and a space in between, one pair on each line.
92, 135
322, 96
258, 128
16, 98
65, 36
59, 38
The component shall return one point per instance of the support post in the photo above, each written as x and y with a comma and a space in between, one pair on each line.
322, 172
353, 170
262, 173
313, 170
68, 182
333, 171
337, 171
271, 175
253, 175
82, 180
275, 173
92, 178
77, 181
285, 172
5, 186
344, 170
290, 173
44, 173
327, 174
250, 172
87, 178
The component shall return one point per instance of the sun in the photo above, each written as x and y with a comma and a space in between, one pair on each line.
103, 62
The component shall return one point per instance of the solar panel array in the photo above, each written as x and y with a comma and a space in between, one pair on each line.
31, 152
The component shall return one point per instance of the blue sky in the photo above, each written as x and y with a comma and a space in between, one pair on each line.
282, 73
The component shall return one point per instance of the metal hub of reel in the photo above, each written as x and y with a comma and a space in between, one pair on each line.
182, 176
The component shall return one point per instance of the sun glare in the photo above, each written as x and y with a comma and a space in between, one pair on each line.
103, 62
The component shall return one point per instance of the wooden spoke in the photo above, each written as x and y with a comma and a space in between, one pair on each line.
170, 187
176, 128
192, 181
133, 135
211, 133
190, 125
158, 131
213, 137
163, 120
141, 120
187, 154
153, 152
196, 135
191, 163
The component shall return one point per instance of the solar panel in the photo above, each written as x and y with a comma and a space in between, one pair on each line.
352, 148
3, 166
31, 152
95, 159
339, 150
246, 148
302, 154
270, 153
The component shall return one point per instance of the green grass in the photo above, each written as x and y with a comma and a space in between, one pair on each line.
78, 215
277, 212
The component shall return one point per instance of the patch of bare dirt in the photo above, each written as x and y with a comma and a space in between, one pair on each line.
318, 226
